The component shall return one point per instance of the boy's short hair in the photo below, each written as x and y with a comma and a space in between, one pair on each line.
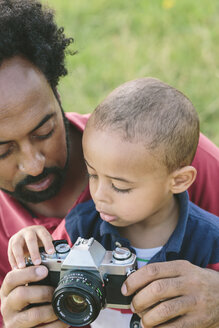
151, 112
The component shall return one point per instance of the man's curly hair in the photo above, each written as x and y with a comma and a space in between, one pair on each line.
29, 30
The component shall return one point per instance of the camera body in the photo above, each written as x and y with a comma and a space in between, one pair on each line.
87, 278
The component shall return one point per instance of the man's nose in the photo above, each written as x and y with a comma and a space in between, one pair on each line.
31, 161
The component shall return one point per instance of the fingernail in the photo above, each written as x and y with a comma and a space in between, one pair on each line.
37, 261
124, 289
132, 308
51, 251
41, 271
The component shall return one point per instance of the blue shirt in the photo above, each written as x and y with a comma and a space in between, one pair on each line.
195, 238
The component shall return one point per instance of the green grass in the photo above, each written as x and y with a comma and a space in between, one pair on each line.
176, 41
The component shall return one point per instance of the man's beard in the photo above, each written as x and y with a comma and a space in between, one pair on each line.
27, 196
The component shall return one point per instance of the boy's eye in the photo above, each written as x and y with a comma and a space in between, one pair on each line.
127, 190
92, 176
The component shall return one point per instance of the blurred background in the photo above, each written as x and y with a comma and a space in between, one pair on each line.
176, 41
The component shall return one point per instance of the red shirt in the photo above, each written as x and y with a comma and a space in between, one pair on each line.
205, 190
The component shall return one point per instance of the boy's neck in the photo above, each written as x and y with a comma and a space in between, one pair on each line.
154, 231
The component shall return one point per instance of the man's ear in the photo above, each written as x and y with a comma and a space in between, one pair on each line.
182, 179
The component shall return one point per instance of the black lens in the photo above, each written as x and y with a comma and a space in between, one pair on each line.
75, 303
79, 298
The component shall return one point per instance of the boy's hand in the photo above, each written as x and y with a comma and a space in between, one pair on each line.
28, 241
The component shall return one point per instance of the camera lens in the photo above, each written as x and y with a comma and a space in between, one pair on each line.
75, 303
78, 298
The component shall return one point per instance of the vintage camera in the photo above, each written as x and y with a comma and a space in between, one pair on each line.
87, 278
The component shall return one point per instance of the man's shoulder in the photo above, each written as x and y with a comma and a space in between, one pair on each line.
78, 120
204, 191
7, 202
206, 149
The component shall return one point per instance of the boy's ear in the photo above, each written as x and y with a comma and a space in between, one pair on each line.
182, 179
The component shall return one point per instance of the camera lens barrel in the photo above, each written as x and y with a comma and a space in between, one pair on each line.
79, 298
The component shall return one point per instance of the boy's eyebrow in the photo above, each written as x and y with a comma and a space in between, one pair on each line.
108, 176
43, 121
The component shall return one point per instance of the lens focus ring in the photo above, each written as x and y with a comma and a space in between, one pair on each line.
78, 298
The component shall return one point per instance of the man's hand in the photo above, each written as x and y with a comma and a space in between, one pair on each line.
175, 294
16, 296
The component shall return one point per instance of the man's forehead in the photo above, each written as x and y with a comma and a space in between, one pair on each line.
21, 85
16, 66
18, 75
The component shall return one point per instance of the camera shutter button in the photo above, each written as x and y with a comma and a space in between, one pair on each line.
121, 253
62, 248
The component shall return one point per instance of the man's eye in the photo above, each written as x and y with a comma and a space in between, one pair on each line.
127, 190
5, 154
44, 136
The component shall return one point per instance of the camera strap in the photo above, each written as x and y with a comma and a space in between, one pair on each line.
135, 321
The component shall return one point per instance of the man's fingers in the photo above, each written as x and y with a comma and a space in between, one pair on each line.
152, 272
34, 316
55, 324
29, 294
185, 321
21, 277
168, 310
157, 291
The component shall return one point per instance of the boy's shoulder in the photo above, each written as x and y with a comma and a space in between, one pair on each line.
203, 219
83, 221
201, 240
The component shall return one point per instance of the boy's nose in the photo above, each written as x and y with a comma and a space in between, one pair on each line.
101, 195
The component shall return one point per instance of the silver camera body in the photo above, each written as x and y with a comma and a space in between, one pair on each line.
88, 278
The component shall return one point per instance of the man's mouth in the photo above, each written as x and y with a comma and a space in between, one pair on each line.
41, 185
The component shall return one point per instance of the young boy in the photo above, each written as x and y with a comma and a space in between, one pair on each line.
138, 147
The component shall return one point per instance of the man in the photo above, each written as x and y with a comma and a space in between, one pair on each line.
42, 176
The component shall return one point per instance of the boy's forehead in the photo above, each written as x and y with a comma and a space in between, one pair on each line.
109, 148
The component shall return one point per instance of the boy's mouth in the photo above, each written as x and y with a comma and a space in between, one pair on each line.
107, 217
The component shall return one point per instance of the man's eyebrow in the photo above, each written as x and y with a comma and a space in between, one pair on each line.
43, 121
108, 176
